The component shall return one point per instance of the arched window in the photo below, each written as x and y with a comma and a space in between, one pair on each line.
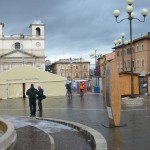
38, 32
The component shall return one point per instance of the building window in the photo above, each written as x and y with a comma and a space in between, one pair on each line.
137, 48
142, 47
76, 67
85, 75
125, 64
124, 51
129, 64
137, 63
68, 67
77, 75
128, 51
38, 32
84, 67
133, 63
68, 76
143, 62
17, 45
133, 50
117, 53
62, 68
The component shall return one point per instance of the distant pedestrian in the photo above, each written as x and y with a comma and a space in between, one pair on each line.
40, 98
81, 86
32, 94
68, 90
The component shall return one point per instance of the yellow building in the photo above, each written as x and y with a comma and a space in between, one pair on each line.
72, 69
141, 54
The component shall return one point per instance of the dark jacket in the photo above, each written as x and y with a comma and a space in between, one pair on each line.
40, 94
32, 92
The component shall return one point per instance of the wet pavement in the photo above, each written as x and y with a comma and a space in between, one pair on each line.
91, 112
33, 134
26, 141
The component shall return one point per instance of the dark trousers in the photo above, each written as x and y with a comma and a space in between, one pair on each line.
81, 92
32, 105
40, 105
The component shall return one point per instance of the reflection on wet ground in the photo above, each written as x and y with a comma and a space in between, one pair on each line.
90, 111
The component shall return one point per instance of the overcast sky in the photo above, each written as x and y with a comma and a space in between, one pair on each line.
74, 28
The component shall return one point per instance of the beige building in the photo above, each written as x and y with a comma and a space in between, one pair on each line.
19, 49
72, 69
141, 55
102, 61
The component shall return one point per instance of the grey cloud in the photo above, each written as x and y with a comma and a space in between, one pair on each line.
73, 26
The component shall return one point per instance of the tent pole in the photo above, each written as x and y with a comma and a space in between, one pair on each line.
6, 89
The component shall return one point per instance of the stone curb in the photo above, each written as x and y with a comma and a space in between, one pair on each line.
9, 138
94, 136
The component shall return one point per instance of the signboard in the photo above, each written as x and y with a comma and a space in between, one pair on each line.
112, 94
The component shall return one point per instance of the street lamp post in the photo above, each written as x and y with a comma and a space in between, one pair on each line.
119, 41
95, 59
122, 52
94, 55
125, 43
129, 10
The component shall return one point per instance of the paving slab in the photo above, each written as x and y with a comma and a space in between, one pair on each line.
37, 134
91, 111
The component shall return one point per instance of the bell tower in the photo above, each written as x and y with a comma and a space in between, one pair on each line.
37, 29
1, 29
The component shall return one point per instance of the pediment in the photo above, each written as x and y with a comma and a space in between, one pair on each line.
17, 53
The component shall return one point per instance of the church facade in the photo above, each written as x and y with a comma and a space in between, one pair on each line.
20, 49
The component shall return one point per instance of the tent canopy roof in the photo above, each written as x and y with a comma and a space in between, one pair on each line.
24, 74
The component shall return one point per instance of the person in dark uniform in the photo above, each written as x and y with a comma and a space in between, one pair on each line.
32, 94
40, 97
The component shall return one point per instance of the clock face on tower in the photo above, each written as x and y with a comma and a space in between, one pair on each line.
38, 44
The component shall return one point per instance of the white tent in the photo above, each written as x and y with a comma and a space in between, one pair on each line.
15, 82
